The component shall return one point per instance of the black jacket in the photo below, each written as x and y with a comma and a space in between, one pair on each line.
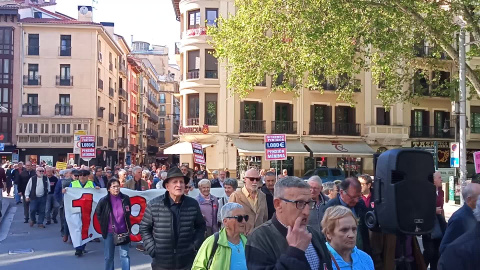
158, 233
269, 195
104, 208
22, 178
216, 183
97, 181
267, 249
363, 239
462, 253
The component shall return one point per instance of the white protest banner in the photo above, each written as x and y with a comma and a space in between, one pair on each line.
80, 205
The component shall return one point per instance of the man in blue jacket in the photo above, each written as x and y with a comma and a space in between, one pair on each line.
462, 220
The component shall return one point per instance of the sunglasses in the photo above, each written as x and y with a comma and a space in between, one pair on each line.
76, 175
253, 179
109, 172
240, 218
40, 171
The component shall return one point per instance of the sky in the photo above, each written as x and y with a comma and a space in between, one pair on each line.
152, 21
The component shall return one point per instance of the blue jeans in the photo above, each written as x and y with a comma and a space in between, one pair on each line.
109, 250
38, 205
15, 194
52, 204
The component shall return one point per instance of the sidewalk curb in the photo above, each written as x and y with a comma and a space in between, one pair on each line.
6, 204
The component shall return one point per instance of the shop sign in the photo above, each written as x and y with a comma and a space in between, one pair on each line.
275, 147
454, 154
87, 147
198, 156
186, 130
76, 140
446, 173
430, 144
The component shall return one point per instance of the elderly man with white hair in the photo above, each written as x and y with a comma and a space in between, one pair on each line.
122, 177
208, 205
163, 176
316, 214
463, 252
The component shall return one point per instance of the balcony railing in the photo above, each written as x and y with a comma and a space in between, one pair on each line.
123, 68
123, 117
431, 132
148, 111
162, 113
252, 126
161, 140
153, 118
161, 100
99, 141
122, 142
152, 149
161, 126
64, 81
193, 74
33, 50
122, 94
111, 143
111, 117
100, 113
65, 51
211, 74
321, 128
153, 101
111, 92
348, 129
30, 109
193, 122
110, 66
211, 121
287, 127
63, 109
32, 80
100, 84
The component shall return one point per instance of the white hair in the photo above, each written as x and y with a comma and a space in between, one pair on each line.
204, 182
163, 175
136, 168
316, 178
476, 211
146, 172
227, 209
121, 171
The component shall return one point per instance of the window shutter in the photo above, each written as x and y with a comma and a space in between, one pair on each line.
387, 118
290, 112
412, 118
351, 115
426, 119
380, 116
242, 110
259, 114
312, 116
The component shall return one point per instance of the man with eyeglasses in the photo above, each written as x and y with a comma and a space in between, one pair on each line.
253, 201
99, 179
285, 241
350, 196
36, 193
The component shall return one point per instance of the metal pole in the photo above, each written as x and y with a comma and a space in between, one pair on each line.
463, 122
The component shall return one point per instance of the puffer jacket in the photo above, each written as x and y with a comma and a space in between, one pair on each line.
158, 233
104, 208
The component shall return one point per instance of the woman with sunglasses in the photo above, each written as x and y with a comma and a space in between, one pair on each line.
113, 212
230, 242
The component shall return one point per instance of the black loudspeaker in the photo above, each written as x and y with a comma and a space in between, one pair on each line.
405, 197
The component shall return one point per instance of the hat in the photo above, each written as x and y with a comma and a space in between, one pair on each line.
84, 172
175, 172
200, 172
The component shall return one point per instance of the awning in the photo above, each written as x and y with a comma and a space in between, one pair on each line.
248, 146
337, 148
183, 148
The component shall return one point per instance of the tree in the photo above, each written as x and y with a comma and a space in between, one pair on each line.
318, 41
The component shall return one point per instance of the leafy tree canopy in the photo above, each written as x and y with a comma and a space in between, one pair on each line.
313, 42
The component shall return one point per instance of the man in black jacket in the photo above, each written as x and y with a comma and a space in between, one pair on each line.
173, 227
268, 188
22, 175
99, 179
286, 242
350, 196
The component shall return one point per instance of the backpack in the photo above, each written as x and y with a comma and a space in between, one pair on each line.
214, 249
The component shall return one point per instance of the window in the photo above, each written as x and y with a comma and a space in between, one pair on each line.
65, 45
383, 117
6, 41
162, 98
33, 44
162, 123
5, 100
211, 65
65, 72
37, 14
193, 109
64, 99
193, 64
32, 99
6, 71
33, 78
283, 112
211, 14
420, 123
194, 19
320, 119
475, 115
252, 110
211, 109
161, 134
162, 110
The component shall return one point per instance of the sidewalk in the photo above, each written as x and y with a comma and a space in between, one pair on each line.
450, 209
6, 202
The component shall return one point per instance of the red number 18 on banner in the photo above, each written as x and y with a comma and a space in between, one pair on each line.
86, 202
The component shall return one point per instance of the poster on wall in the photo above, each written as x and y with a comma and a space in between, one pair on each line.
32, 158
46, 160
71, 158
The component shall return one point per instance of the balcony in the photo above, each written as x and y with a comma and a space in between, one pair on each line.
287, 127
65, 51
152, 133
122, 117
193, 122
111, 143
32, 80
153, 118
152, 149
111, 117
211, 74
162, 113
63, 109
432, 132
134, 128
347, 129
122, 94
153, 101
252, 126
122, 142
64, 81
33, 50
161, 126
321, 128
133, 148
148, 111
211, 121
111, 92
135, 88
430, 51
162, 101
193, 74
123, 69
99, 141
100, 84
30, 109
161, 140
100, 113
134, 107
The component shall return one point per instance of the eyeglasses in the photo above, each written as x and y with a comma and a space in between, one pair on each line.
353, 198
76, 176
301, 204
109, 172
240, 218
40, 171
253, 179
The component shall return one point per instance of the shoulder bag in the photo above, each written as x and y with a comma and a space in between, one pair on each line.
119, 239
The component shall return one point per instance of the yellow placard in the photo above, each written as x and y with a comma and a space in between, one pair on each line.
61, 165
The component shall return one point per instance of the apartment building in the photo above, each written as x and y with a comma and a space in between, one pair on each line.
135, 68
317, 125
71, 76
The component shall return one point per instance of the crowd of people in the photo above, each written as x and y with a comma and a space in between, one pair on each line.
271, 222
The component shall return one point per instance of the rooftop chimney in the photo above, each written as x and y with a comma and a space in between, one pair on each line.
109, 27
85, 13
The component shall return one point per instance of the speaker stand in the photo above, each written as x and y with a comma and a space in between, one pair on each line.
401, 261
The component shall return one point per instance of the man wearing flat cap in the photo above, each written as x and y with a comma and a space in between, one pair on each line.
173, 227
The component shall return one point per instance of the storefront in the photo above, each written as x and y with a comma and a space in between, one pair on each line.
44, 156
